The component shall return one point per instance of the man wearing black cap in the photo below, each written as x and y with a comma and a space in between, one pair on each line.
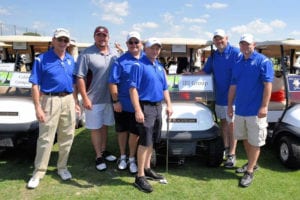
92, 71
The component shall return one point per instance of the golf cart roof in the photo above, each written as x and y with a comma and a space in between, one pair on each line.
170, 45
272, 48
25, 38
189, 42
2, 44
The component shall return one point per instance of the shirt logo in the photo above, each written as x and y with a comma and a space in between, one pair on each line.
253, 62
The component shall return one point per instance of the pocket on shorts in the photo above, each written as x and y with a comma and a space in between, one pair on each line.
262, 125
262, 122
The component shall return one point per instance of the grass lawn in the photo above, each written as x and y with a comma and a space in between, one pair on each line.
193, 180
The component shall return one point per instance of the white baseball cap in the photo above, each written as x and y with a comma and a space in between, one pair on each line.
133, 34
152, 41
61, 32
219, 32
247, 38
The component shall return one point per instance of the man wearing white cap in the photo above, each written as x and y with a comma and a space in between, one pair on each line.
52, 87
148, 88
220, 64
123, 109
251, 87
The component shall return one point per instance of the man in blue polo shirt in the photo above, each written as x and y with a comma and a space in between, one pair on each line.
148, 87
52, 87
251, 86
220, 64
123, 109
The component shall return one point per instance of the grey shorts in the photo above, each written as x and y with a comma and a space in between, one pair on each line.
221, 112
150, 130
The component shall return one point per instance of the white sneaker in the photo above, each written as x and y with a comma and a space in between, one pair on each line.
133, 167
122, 164
100, 164
33, 183
64, 174
108, 156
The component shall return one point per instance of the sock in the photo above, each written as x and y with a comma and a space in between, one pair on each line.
131, 159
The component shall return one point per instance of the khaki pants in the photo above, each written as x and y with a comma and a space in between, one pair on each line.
60, 118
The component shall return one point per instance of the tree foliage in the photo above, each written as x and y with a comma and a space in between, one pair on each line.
31, 33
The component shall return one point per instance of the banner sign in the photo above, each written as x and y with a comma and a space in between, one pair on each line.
192, 83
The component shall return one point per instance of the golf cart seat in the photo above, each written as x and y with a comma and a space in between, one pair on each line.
273, 105
277, 101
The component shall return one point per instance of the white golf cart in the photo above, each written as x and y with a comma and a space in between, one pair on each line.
18, 123
192, 129
284, 115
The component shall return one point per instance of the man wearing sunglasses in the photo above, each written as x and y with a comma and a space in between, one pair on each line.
92, 71
124, 111
52, 88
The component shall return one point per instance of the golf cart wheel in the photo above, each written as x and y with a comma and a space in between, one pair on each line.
215, 152
289, 152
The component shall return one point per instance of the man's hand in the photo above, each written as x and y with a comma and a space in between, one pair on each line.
263, 111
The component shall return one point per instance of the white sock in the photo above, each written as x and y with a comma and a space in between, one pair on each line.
131, 159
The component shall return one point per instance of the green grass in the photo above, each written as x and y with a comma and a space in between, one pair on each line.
193, 180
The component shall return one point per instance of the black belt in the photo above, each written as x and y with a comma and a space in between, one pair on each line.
150, 103
57, 94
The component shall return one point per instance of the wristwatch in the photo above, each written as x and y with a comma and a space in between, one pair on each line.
115, 101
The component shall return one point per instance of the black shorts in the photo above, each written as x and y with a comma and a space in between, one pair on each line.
150, 130
125, 122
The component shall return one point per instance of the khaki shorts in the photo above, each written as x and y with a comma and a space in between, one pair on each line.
221, 112
251, 128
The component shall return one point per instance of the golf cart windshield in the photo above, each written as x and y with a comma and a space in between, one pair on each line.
180, 55
13, 83
285, 51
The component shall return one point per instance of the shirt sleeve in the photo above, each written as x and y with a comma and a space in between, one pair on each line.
267, 70
81, 67
135, 76
208, 68
36, 71
115, 72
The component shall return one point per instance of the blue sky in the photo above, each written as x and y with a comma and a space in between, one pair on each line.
265, 19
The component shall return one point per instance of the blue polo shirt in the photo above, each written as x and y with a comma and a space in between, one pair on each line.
220, 64
53, 74
149, 80
120, 74
249, 77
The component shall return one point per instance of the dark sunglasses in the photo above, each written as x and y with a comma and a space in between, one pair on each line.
63, 40
133, 42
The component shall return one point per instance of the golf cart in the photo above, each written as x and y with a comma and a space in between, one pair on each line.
284, 115
192, 129
18, 123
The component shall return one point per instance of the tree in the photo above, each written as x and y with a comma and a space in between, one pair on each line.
31, 33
